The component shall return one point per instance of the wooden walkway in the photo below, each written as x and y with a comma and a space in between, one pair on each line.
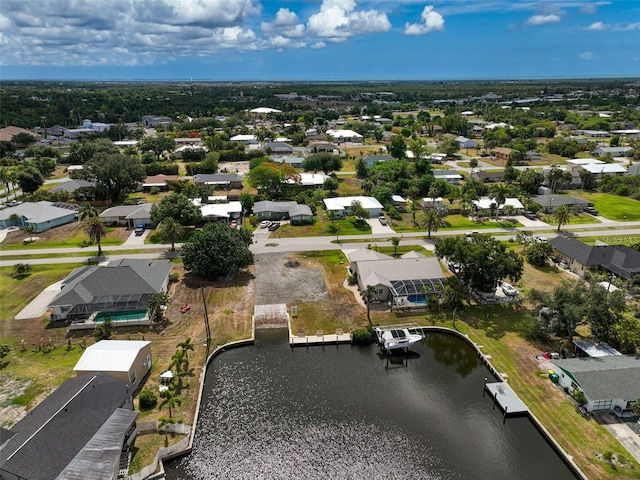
506, 398
319, 339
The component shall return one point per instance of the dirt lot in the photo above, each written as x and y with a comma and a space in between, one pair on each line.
279, 283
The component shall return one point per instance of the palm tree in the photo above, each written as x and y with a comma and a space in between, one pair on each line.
163, 423
186, 346
414, 206
473, 163
171, 401
5, 180
432, 221
562, 215
395, 241
86, 212
171, 231
369, 294
94, 227
635, 407
499, 193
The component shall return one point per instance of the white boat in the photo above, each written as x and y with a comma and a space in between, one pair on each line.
397, 338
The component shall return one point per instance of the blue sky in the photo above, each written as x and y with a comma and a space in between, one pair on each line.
315, 40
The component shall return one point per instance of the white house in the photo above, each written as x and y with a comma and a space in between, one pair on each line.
219, 211
341, 205
342, 136
484, 204
128, 360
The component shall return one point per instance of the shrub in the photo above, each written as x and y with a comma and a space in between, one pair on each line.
148, 399
362, 337
253, 221
154, 191
174, 277
352, 280
21, 270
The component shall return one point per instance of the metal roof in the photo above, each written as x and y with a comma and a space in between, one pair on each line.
110, 356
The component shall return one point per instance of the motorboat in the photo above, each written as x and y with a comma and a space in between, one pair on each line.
397, 338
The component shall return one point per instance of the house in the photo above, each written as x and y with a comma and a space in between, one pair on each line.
431, 202
278, 148
322, 147
371, 160
119, 290
245, 139
484, 205
128, 360
7, 133
295, 162
263, 111
633, 169
404, 282
610, 382
160, 182
298, 214
614, 151
181, 150
619, 260
399, 202
86, 425
71, 186
39, 216
341, 205
449, 176
309, 180
488, 177
614, 169
221, 181
548, 203
466, 142
343, 136
224, 212
585, 347
129, 215
153, 120
502, 153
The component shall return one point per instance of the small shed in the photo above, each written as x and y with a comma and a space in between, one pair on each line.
128, 360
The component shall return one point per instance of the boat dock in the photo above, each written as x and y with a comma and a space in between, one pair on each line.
506, 398
302, 340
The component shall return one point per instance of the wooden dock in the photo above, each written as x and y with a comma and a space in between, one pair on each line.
503, 395
302, 340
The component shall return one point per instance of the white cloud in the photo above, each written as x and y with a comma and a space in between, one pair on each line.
589, 8
587, 56
596, 26
285, 24
626, 27
537, 20
319, 45
339, 19
208, 12
281, 42
431, 21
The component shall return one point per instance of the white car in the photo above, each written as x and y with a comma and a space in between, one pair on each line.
509, 289
265, 224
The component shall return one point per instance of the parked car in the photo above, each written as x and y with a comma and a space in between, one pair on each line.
139, 230
591, 211
383, 220
274, 226
234, 224
508, 289
542, 239
529, 215
265, 224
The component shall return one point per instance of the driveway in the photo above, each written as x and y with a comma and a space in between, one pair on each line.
377, 227
530, 223
136, 240
38, 306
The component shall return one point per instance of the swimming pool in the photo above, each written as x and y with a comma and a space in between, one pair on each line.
419, 299
124, 316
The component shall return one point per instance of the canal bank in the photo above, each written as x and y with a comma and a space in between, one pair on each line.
319, 357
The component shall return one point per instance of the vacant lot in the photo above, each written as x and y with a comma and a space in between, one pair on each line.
69, 235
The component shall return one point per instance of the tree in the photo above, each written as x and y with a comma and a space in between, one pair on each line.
21, 270
473, 163
115, 175
4, 350
217, 250
635, 407
186, 345
449, 146
155, 304
432, 221
104, 330
163, 424
171, 231
395, 241
86, 212
361, 168
23, 139
397, 147
325, 162
178, 207
5, 180
562, 215
538, 253
171, 401
270, 177
483, 261
247, 202
368, 294
499, 193
358, 211
454, 293
331, 184
157, 145
94, 227
29, 178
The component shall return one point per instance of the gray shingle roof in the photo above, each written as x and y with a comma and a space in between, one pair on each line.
216, 178
604, 378
298, 210
269, 206
51, 435
71, 186
622, 260
557, 200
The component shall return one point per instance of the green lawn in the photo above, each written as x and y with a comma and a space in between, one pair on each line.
402, 249
78, 240
611, 206
579, 218
349, 187
322, 227
452, 222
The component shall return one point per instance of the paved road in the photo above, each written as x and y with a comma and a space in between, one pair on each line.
274, 244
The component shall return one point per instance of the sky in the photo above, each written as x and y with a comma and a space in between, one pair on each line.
317, 40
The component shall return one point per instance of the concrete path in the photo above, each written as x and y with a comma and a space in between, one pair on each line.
378, 229
38, 306
136, 240
5, 231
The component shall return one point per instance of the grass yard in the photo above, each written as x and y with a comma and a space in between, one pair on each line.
69, 235
452, 222
628, 240
576, 219
322, 226
349, 187
611, 206
402, 249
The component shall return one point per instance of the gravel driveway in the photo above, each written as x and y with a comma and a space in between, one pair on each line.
277, 283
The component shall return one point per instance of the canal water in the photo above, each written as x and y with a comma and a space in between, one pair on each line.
340, 412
